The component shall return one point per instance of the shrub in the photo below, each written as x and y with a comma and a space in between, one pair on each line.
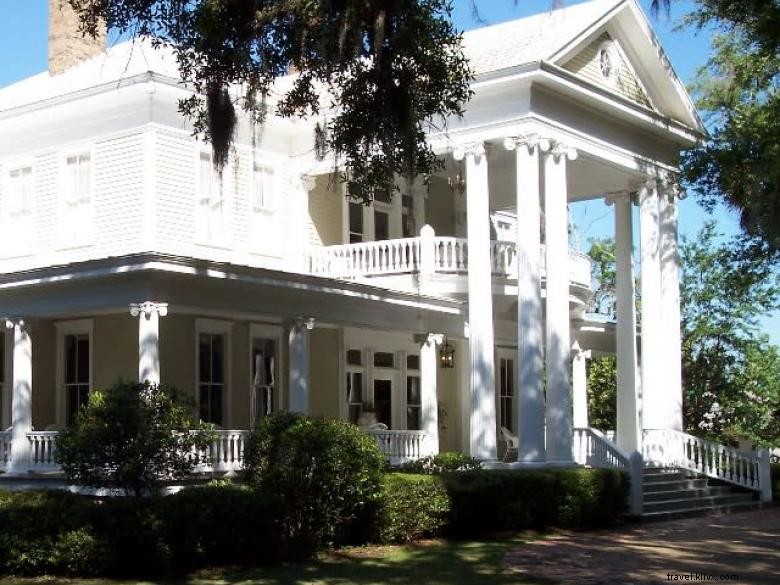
489, 501
131, 437
441, 463
322, 476
412, 507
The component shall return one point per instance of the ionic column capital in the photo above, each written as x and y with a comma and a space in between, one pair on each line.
477, 150
577, 351
148, 308
22, 323
303, 322
529, 141
429, 338
559, 151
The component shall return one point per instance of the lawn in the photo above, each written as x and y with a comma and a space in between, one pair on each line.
430, 563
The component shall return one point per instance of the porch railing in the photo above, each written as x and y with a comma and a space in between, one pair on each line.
672, 448
5, 448
42, 449
426, 254
225, 454
401, 446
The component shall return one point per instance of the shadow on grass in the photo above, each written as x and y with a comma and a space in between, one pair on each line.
433, 563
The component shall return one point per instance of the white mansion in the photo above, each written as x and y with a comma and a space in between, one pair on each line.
453, 310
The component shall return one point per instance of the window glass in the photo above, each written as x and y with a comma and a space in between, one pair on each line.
383, 195
354, 357
264, 376
381, 225
211, 354
76, 361
413, 403
384, 360
75, 228
507, 393
263, 188
2, 372
413, 362
356, 231
354, 395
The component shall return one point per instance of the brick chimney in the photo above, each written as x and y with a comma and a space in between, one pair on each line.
67, 46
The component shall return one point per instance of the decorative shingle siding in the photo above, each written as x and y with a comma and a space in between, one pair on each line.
586, 64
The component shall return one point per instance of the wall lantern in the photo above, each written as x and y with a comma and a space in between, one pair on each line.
447, 355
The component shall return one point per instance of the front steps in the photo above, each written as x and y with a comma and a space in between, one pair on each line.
670, 493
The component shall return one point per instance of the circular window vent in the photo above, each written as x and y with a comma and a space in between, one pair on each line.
608, 61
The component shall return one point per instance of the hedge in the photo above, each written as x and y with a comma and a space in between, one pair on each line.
59, 533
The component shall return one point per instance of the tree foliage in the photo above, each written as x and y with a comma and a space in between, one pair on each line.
731, 374
603, 276
377, 75
737, 91
132, 437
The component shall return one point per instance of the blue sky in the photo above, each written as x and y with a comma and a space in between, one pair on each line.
23, 37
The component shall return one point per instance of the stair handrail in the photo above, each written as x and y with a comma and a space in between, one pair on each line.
672, 448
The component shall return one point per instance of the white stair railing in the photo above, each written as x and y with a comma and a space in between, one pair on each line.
670, 448
401, 446
593, 449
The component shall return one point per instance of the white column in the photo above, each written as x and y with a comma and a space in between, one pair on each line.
670, 308
21, 398
653, 409
149, 314
299, 365
308, 184
627, 433
428, 394
559, 401
579, 379
481, 347
530, 343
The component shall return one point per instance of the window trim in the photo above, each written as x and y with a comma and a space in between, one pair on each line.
275, 332
63, 242
224, 328
64, 328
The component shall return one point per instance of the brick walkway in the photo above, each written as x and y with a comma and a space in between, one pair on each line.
744, 544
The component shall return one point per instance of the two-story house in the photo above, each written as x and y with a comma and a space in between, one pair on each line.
452, 309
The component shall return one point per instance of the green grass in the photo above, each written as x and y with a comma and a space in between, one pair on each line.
434, 563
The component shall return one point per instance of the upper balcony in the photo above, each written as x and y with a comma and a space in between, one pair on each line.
435, 265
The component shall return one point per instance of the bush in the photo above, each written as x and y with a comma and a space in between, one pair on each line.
489, 501
441, 463
131, 437
413, 507
323, 478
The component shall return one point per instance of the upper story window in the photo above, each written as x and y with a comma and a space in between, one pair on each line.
263, 189
357, 230
76, 200
212, 211
20, 192
18, 211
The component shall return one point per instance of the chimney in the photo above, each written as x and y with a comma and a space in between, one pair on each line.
67, 46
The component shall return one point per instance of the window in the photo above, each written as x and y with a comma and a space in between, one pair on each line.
608, 61
77, 374
354, 395
413, 396
18, 211
265, 373
76, 217
357, 231
212, 208
381, 224
263, 188
384, 360
507, 393
354, 357
407, 217
211, 376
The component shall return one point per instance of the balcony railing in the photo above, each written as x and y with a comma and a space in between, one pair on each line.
432, 255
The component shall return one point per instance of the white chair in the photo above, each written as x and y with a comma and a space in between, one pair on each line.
511, 442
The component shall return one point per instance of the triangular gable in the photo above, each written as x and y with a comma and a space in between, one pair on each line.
604, 63
648, 77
